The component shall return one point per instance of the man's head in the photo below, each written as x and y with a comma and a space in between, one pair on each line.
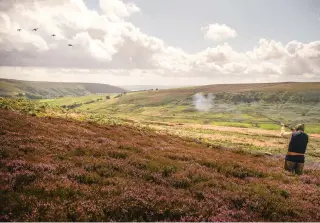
299, 127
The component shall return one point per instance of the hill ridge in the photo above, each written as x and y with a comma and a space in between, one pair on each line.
44, 89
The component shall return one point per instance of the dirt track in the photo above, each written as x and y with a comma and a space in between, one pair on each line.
241, 130
227, 129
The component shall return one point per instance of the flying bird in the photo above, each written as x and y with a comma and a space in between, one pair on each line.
35, 29
18, 30
53, 35
70, 44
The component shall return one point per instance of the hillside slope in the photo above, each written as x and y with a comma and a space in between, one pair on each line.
270, 92
233, 105
62, 170
228, 93
37, 89
258, 87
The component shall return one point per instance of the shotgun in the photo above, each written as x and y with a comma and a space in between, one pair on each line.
276, 121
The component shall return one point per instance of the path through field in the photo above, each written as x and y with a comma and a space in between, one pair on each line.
249, 139
253, 131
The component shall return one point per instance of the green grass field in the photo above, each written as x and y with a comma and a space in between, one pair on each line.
158, 106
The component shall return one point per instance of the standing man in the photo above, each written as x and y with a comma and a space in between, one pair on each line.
294, 161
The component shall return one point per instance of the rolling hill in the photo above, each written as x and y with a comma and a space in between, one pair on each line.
148, 87
38, 90
272, 92
231, 105
54, 169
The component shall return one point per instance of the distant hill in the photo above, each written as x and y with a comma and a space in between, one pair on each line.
256, 87
148, 87
38, 90
295, 92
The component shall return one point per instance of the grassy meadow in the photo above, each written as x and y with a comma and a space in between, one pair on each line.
163, 106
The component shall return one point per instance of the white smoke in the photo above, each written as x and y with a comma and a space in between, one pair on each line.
203, 103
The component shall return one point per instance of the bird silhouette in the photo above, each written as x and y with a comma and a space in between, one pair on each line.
53, 35
70, 44
35, 29
18, 30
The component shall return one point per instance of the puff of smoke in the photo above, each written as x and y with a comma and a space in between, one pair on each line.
203, 103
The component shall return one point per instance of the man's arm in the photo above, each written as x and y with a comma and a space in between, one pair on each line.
283, 132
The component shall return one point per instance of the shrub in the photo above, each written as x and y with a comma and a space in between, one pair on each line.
79, 152
179, 157
118, 155
21, 179
168, 170
234, 170
130, 148
181, 182
86, 178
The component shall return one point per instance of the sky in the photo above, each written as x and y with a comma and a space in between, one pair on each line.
167, 42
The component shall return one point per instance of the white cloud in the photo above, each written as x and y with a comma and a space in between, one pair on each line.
264, 68
106, 44
117, 8
267, 50
302, 58
218, 32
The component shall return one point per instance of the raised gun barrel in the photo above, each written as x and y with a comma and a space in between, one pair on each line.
276, 121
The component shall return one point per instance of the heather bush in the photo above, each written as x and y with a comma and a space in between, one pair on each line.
139, 163
79, 171
118, 155
16, 165
22, 178
85, 177
179, 157
181, 182
130, 148
79, 152
232, 169
168, 170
